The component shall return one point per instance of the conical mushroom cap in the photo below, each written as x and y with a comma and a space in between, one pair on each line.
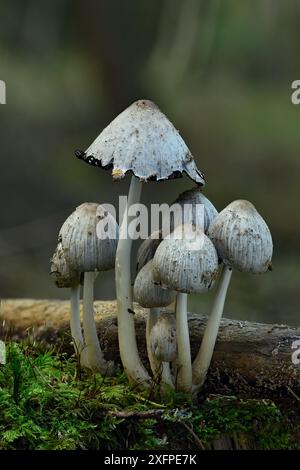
143, 141
242, 238
147, 249
162, 338
60, 270
148, 293
195, 197
84, 250
185, 265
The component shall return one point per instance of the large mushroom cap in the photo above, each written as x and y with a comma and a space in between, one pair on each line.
83, 248
186, 265
143, 141
242, 238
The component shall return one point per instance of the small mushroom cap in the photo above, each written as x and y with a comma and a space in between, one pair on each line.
162, 338
141, 140
60, 270
147, 249
195, 197
186, 265
242, 238
148, 293
84, 250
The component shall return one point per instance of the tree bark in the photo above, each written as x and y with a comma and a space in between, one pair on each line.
250, 359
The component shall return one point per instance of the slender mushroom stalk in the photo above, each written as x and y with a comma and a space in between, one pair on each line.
140, 140
184, 374
75, 324
244, 242
203, 359
127, 341
150, 295
186, 266
94, 353
66, 277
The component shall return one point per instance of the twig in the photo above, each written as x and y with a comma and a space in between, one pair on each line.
148, 414
149, 402
192, 432
293, 393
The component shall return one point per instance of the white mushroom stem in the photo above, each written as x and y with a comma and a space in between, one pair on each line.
166, 375
204, 356
93, 350
184, 376
160, 369
152, 318
75, 325
131, 361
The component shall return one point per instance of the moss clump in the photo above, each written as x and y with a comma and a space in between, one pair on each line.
46, 404
250, 423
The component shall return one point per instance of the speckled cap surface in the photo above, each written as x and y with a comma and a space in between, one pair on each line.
242, 238
141, 140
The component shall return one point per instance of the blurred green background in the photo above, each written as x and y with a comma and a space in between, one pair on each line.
220, 69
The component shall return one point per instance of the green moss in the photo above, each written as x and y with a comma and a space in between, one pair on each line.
46, 404
249, 422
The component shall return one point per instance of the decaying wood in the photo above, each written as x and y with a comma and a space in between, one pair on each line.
250, 358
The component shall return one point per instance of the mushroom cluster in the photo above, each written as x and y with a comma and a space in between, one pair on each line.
199, 251
143, 142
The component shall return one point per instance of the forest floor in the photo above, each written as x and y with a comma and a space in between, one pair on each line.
48, 402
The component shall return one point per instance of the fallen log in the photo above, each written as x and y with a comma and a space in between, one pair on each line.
250, 359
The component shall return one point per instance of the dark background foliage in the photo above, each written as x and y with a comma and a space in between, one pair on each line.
220, 70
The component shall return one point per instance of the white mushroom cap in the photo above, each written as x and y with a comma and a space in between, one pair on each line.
186, 265
60, 270
195, 197
242, 238
147, 249
83, 249
143, 141
148, 293
163, 338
